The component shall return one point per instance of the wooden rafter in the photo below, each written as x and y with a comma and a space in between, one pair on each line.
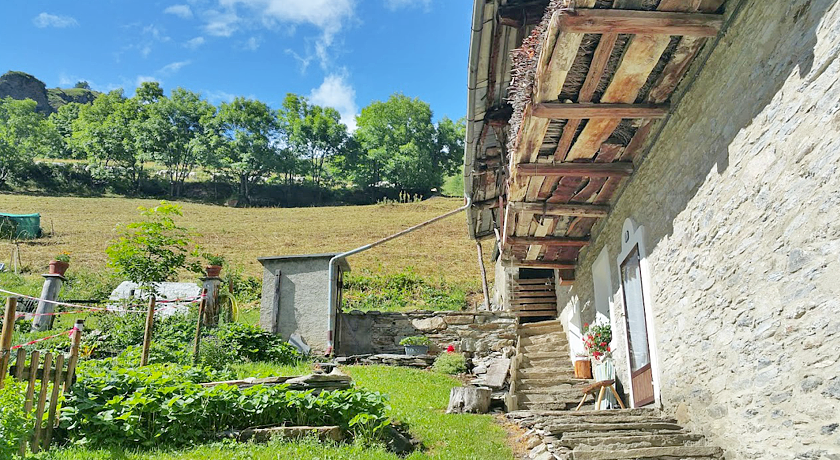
559, 264
588, 110
621, 169
551, 209
618, 21
547, 241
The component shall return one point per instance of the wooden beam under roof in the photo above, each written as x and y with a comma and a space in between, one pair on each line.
588, 110
547, 241
556, 209
618, 21
556, 264
620, 169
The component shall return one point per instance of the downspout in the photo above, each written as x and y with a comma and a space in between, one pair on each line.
332, 297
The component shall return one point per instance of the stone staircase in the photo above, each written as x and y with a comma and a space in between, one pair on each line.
610, 435
542, 376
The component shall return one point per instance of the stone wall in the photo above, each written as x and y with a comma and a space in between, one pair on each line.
740, 199
476, 333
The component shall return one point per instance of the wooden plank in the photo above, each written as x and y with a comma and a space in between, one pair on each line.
541, 307
57, 384
621, 21
622, 169
567, 282
561, 265
20, 362
524, 294
533, 287
42, 400
589, 110
552, 313
549, 209
535, 281
548, 241
35, 359
6, 336
75, 343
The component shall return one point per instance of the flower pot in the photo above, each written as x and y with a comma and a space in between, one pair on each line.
416, 350
213, 271
58, 267
583, 369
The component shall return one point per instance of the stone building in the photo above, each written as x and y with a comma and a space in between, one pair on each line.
671, 168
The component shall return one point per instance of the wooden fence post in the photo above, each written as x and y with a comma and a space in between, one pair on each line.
42, 401
6, 337
201, 306
73, 360
35, 359
147, 336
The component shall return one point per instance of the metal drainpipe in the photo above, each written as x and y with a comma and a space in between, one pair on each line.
332, 297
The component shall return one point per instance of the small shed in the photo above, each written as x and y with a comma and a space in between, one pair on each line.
295, 297
20, 226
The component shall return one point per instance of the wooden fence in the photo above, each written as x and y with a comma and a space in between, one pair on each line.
49, 373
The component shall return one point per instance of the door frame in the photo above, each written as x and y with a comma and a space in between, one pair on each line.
633, 237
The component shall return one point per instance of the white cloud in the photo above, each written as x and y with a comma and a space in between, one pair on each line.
182, 11
144, 78
304, 61
172, 68
253, 43
328, 16
337, 93
51, 20
395, 5
217, 97
194, 43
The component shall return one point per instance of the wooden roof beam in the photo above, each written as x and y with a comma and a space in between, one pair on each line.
617, 21
586, 110
557, 264
556, 209
547, 241
619, 169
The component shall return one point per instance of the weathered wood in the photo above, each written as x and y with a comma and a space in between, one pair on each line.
548, 241
197, 341
550, 209
35, 359
58, 382
75, 344
534, 307
532, 294
39, 408
20, 362
588, 110
620, 21
560, 265
484, 288
473, 400
147, 333
6, 337
535, 282
622, 169
536, 313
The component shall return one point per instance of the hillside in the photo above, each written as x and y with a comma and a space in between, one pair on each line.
442, 251
21, 85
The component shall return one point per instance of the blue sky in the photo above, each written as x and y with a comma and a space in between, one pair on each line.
340, 53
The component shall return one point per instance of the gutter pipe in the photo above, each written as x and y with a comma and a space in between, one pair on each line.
332, 298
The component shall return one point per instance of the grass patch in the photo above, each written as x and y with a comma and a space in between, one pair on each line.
261, 370
400, 292
417, 398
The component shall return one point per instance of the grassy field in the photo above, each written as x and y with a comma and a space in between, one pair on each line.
417, 398
84, 226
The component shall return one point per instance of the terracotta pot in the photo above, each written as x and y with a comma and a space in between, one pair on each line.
213, 271
58, 267
583, 369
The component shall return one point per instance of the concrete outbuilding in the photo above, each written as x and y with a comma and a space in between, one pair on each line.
295, 297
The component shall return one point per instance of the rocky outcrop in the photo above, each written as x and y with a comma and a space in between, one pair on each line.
20, 85
60, 96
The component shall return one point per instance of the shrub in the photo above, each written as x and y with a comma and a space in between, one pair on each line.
14, 422
254, 344
400, 292
450, 363
164, 405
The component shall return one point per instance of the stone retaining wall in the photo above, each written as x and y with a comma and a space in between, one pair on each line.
476, 333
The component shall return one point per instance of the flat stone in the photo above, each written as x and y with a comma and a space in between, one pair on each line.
434, 323
497, 373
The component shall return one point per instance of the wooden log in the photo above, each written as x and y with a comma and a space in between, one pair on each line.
619, 21
473, 400
588, 110
552, 209
6, 337
622, 169
147, 334
548, 241
42, 400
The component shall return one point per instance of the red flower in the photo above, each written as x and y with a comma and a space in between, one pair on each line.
603, 344
585, 325
608, 348
450, 349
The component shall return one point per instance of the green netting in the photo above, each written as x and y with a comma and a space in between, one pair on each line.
20, 226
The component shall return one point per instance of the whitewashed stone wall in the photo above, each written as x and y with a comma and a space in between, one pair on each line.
740, 198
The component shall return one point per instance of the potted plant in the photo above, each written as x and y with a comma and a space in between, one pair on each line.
214, 264
416, 345
596, 339
60, 264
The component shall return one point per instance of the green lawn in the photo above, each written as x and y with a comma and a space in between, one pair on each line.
418, 398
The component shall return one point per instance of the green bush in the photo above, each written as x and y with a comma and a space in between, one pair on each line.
400, 292
254, 344
416, 340
450, 363
14, 422
164, 405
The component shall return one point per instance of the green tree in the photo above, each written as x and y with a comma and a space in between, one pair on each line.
62, 121
249, 128
312, 132
105, 131
24, 135
152, 250
82, 85
401, 145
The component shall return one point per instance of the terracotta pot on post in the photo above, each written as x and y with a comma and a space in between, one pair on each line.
583, 368
58, 267
213, 271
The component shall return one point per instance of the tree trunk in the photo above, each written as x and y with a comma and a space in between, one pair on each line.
472, 400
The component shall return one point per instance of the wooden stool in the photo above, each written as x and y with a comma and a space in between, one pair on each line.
602, 387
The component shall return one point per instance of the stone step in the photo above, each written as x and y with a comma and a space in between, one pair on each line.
634, 441
538, 328
641, 412
546, 372
555, 428
682, 452
558, 349
545, 338
542, 405
527, 383
601, 419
